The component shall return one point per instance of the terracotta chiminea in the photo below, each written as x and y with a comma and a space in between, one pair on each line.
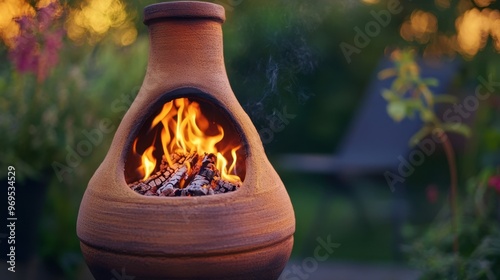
244, 234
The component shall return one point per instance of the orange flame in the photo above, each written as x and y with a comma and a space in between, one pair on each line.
185, 130
148, 161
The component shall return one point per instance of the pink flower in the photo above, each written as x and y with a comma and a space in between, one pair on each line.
36, 48
49, 54
494, 182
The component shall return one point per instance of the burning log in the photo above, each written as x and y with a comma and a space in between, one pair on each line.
201, 184
173, 182
181, 180
157, 179
225, 186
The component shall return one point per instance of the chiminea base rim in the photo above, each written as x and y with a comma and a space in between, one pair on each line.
260, 263
230, 251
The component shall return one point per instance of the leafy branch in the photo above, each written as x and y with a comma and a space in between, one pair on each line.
411, 95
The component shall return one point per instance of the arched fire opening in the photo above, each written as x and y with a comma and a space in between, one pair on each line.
189, 147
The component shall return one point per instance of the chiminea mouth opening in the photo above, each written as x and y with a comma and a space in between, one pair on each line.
183, 10
188, 144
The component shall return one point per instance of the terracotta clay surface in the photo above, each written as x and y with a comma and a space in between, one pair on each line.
246, 234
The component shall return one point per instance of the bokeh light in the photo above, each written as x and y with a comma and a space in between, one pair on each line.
90, 22
370, 2
483, 3
9, 11
419, 27
474, 26
473, 29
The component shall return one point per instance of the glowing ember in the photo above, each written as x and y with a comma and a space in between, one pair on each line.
193, 152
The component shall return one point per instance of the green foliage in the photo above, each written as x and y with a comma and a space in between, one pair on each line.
479, 237
109, 79
463, 242
410, 95
42, 121
39, 120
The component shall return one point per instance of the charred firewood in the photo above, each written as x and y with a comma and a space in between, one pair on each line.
141, 188
224, 187
173, 182
188, 176
157, 179
202, 182
166, 191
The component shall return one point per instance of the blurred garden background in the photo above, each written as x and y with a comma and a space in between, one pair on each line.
68, 65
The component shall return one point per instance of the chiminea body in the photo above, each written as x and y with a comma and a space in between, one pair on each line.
245, 234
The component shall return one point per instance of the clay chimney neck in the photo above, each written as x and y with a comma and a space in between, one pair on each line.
184, 10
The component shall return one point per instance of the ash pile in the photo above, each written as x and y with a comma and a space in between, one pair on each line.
190, 175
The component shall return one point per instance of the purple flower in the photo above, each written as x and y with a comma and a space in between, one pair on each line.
494, 182
47, 14
26, 24
36, 47
24, 53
